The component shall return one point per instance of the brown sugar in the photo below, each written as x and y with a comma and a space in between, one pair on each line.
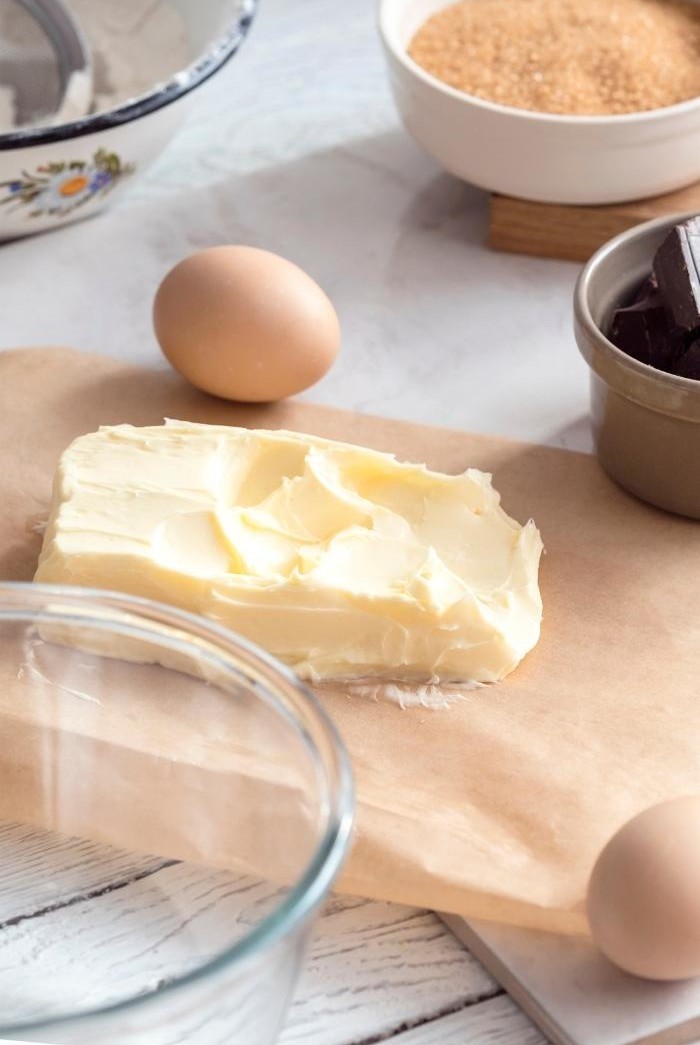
575, 57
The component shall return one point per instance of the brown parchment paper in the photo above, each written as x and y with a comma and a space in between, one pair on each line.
497, 806
100, 739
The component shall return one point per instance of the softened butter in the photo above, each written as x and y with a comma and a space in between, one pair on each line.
341, 561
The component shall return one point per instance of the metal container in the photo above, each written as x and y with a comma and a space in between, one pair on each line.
646, 423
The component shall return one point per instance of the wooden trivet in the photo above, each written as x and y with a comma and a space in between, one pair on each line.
574, 233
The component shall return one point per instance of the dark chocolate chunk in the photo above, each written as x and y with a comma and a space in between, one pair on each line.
688, 364
645, 328
645, 289
644, 331
677, 269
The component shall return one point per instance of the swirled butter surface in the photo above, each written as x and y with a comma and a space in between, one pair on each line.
341, 561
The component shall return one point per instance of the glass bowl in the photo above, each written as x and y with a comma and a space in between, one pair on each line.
175, 806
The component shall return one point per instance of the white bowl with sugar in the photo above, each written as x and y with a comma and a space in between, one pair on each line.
546, 157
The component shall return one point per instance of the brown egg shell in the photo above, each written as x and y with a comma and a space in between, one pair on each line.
643, 898
245, 324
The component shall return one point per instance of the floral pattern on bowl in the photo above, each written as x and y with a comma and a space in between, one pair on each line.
60, 188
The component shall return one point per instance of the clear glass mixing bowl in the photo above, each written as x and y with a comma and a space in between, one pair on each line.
174, 807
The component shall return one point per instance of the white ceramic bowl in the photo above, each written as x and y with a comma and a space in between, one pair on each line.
50, 176
537, 156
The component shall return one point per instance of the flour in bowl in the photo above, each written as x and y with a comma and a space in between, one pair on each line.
136, 44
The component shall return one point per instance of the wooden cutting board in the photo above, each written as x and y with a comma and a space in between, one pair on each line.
497, 807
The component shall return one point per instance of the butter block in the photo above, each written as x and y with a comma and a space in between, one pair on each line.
341, 561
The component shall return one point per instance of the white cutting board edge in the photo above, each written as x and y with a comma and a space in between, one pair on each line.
574, 995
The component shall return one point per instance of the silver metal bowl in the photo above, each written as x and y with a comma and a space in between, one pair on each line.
646, 423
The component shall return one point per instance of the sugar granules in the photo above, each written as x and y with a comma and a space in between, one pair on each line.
600, 57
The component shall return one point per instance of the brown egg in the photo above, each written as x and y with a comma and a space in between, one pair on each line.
644, 893
245, 324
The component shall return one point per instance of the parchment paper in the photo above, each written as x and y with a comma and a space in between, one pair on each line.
497, 806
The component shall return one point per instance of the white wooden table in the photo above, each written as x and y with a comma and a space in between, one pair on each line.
296, 147
375, 972
384, 973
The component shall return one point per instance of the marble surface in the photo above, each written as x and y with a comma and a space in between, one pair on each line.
295, 146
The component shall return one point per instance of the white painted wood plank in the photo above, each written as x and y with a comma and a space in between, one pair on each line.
497, 1021
40, 869
374, 968
118, 944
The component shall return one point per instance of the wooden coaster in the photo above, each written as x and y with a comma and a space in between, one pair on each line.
574, 233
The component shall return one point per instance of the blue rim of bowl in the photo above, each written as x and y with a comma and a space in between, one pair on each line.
322, 869
208, 63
